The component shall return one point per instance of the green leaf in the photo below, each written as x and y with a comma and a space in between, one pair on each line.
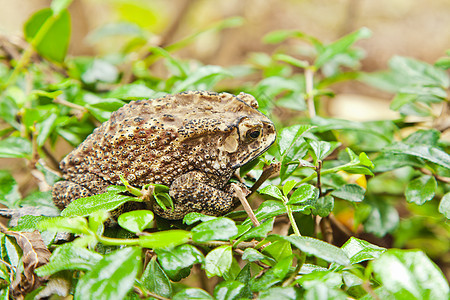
155, 280
359, 250
194, 217
277, 250
85, 206
421, 189
365, 161
288, 186
15, 147
132, 91
272, 191
258, 232
77, 225
251, 255
291, 60
383, 218
410, 275
136, 220
350, 192
390, 161
421, 136
427, 152
99, 70
339, 46
417, 73
228, 290
268, 209
304, 193
323, 291
321, 149
444, 205
112, 277
164, 239
280, 293
331, 279
218, 261
69, 257
289, 135
317, 248
9, 190
279, 36
49, 33
201, 75
327, 124
272, 276
323, 206
175, 261
221, 229
45, 128
192, 293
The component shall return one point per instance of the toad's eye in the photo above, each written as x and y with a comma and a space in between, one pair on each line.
254, 134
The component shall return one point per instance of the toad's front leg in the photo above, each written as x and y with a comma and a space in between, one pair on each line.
193, 192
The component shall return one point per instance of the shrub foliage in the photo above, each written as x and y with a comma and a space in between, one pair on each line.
340, 185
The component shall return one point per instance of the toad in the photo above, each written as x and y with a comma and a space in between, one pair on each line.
191, 142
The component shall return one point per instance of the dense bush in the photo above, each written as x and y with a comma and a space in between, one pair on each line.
340, 185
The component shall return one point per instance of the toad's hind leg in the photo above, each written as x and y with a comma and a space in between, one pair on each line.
195, 192
64, 192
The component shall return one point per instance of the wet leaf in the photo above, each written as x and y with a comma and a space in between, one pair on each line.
192, 293
155, 280
220, 229
177, 262
316, 247
444, 205
359, 250
112, 277
304, 193
272, 276
107, 201
218, 261
350, 192
228, 290
421, 189
15, 147
258, 232
136, 220
69, 257
9, 190
410, 275
272, 191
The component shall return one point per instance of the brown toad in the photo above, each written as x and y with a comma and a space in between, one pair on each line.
191, 142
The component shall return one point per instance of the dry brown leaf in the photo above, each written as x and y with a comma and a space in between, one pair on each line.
35, 254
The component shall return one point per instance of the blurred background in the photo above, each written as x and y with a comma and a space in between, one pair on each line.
417, 29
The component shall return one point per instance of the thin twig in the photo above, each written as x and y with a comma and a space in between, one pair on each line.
267, 172
241, 196
319, 183
440, 178
70, 104
327, 230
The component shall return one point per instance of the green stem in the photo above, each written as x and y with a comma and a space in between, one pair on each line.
117, 242
291, 217
325, 172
